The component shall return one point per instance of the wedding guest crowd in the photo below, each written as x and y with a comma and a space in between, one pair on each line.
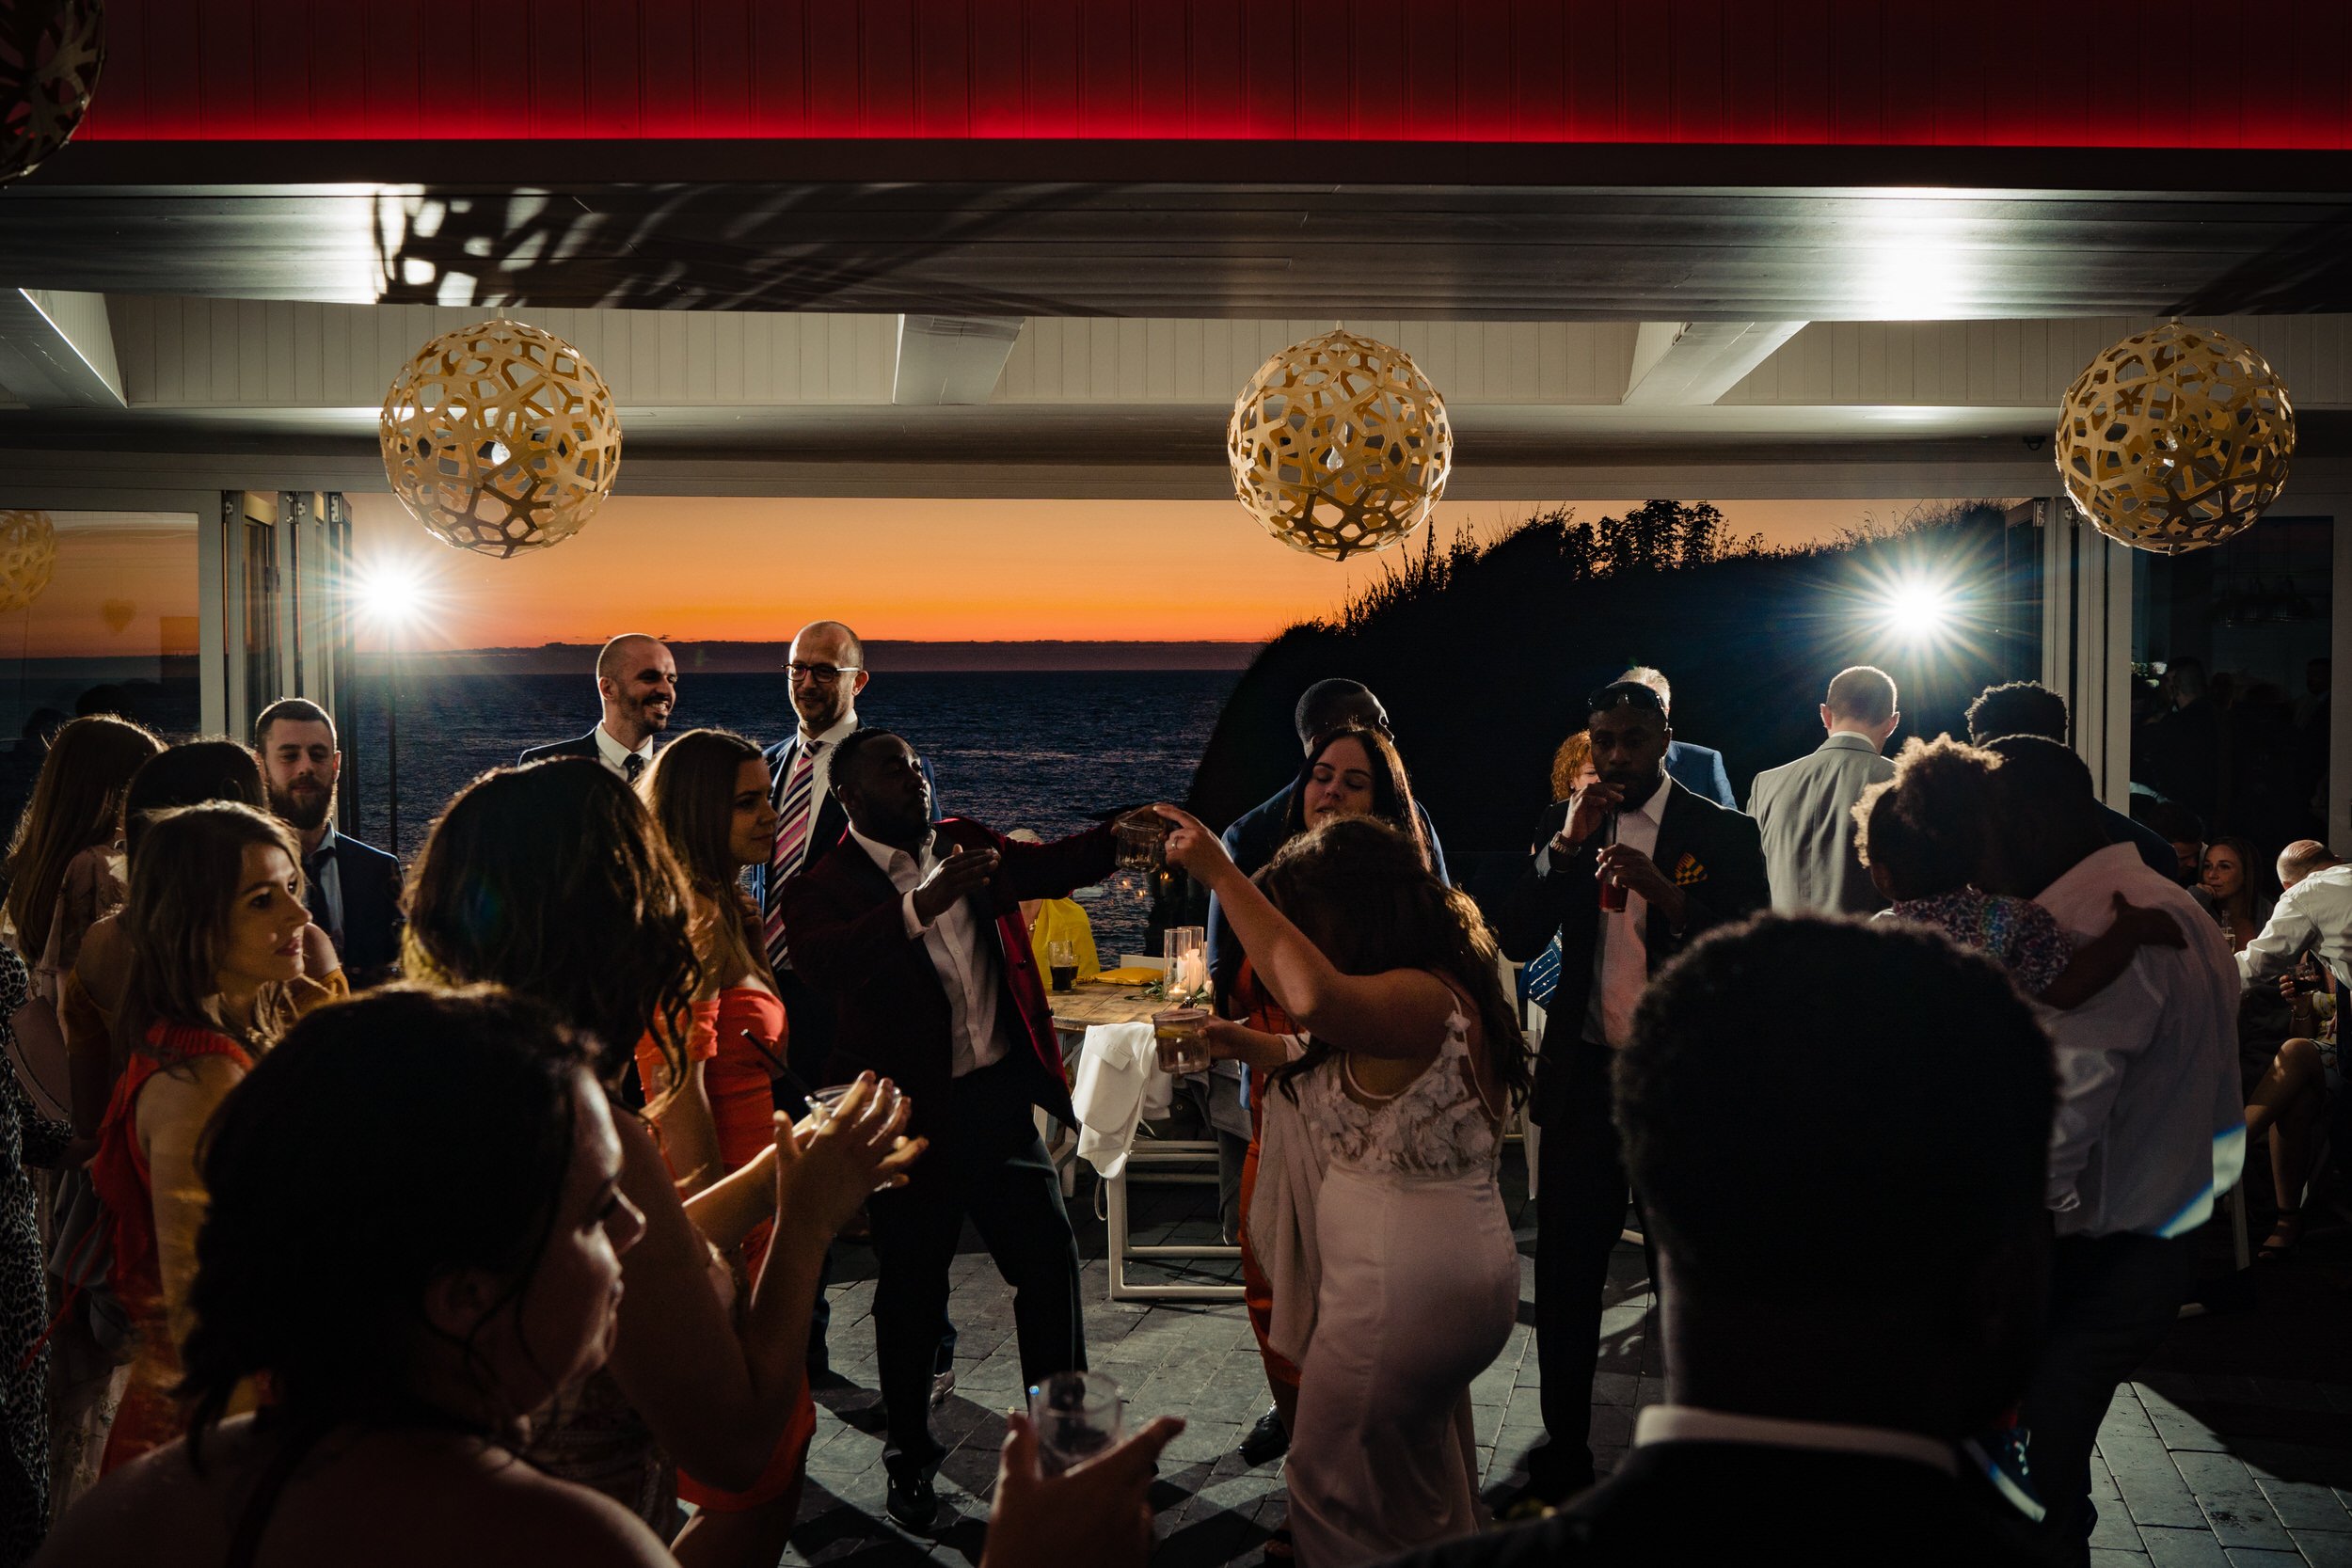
646, 1029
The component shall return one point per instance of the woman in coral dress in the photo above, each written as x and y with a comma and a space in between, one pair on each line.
709, 794
215, 924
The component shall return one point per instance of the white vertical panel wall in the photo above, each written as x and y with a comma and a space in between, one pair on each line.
2087, 643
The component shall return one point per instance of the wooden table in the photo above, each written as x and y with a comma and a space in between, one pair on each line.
1092, 1002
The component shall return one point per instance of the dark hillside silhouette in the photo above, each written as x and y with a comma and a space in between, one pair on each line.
1482, 652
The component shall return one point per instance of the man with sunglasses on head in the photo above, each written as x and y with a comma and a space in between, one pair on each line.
1634, 867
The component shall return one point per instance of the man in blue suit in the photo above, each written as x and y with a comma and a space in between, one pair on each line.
354, 887
1697, 768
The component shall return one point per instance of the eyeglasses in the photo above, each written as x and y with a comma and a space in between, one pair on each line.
823, 674
1624, 694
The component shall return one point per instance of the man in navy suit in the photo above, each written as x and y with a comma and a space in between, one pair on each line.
354, 887
1697, 768
637, 684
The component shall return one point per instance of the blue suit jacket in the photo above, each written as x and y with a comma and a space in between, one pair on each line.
1700, 771
370, 881
1251, 842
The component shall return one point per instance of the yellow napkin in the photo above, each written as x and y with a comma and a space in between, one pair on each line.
1135, 974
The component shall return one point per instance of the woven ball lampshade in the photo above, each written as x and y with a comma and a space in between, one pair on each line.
2176, 439
500, 438
1340, 445
50, 54
28, 557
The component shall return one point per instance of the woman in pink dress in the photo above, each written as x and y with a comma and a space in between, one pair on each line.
1379, 1162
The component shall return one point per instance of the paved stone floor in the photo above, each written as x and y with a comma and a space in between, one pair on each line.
2234, 1450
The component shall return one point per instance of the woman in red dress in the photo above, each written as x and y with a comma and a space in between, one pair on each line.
215, 924
709, 794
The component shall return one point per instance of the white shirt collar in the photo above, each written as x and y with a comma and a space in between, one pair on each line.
840, 729
1686, 1423
1653, 809
326, 840
611, 748
886, 855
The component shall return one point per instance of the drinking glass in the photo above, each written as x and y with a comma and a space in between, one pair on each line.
1612, 893
1062, 959
1077, 1416
821, 1105
1177, 1034
1142, 842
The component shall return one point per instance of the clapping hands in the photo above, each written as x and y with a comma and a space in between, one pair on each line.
828, 1165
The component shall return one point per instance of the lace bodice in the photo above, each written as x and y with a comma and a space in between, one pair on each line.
1434, 1126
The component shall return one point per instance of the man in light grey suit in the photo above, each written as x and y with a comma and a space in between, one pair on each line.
1806, 807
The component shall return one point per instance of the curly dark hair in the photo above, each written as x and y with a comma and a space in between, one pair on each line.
1392, 791
552, 880
459, 1162
1363, 893
1925, 827
2017, 707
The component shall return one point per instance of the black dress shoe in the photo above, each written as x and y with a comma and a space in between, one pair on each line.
1268, 1440
913, 1503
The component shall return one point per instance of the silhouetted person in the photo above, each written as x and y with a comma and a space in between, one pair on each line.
1804, 1423
1805, 808
2029, 708
2183, 747
2149, 1124
636, 685
1675, 865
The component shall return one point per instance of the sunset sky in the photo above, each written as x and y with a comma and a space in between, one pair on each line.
922, 570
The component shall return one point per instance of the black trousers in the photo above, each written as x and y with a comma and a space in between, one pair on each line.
1581, 1197
985, 1162
2112, 1300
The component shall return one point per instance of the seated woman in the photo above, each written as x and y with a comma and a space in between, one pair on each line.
1921, 832
215, 925
1398, 1282
1057, 920
2238, 881
460, 1264
553, 881
2288, 1092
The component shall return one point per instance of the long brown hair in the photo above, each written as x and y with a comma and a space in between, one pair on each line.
551, 881
77, 803
692, 794
184, 889
1361, 892
1392, 791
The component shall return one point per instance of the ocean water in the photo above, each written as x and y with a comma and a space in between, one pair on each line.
1047, 750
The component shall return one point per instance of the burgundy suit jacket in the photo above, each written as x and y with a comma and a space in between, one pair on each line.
842, 918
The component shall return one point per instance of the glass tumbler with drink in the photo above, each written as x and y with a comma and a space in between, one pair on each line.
1077, 1416
1142, 842
1177, 1032
1061, 958
1611, 891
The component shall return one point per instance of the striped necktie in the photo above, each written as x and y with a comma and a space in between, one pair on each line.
795, 815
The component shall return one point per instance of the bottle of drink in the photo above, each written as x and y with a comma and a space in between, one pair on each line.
1612, 893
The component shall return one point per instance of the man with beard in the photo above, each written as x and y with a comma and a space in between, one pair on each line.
637, 679
1633, 868
354, 888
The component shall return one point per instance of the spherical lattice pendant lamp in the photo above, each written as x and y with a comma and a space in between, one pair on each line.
50, 55
500, 438
28, 557
1339, 445
2175, 439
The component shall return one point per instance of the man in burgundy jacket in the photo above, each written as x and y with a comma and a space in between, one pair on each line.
913, 929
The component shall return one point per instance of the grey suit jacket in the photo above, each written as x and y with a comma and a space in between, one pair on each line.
1805, 808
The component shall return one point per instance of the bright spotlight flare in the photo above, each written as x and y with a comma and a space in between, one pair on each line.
1920, 611
391, 594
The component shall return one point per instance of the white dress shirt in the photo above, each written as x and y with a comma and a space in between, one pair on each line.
327, 880
1688, 1423
820, 786
962, 949
615, 756
1621, 942
2312, 916
2150, 1122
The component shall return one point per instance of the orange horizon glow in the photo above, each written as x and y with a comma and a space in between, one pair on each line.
702, 569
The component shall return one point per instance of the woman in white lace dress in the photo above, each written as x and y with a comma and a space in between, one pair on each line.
1382, 1213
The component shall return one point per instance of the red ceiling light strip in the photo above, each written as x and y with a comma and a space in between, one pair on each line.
1851, 72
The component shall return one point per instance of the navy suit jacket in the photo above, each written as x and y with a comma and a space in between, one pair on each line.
370, 881
1251, 842
1700, 769
579, 746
